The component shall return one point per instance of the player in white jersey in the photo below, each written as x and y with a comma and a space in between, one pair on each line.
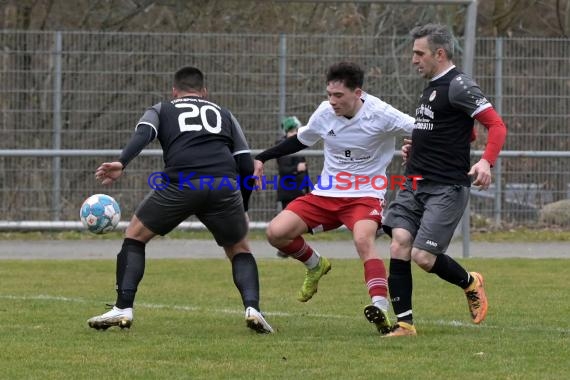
359, 132
362, 145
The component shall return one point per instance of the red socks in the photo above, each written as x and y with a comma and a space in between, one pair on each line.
375, 277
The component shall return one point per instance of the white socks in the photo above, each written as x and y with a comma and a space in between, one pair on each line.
313, 260
380, 302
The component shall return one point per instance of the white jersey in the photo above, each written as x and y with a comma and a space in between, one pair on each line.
357, 150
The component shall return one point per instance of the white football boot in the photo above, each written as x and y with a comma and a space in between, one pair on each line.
255, 321
114, 317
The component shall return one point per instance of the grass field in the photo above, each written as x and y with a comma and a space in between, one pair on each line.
189, 324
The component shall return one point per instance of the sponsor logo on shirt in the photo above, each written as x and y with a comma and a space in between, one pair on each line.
331, 133
481, 101
424, 111
424, 116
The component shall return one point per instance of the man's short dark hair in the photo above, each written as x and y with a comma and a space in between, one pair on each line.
349, 73
438, 36
189, 78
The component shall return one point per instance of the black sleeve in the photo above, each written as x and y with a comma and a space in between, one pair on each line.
287, 146
245, 171
143, 135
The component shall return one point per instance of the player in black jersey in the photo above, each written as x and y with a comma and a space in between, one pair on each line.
421, 220
204, 151
292, 169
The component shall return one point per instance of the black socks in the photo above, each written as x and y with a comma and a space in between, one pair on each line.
130, 270
449, 270
246, 279
400, 287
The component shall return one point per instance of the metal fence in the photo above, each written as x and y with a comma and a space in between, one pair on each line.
86, 91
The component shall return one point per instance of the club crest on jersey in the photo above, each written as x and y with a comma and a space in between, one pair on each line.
432, 96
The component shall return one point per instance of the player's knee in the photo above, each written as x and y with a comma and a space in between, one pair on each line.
423, 259
364, 246
239, 247
271, 232
400, 249
138, 231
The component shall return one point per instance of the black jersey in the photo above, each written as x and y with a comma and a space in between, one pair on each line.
444, 122
196, 136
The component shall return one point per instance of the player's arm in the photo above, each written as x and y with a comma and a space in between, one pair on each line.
497, 133
244, 162
399, 123
466, 95
307, 136
142, 136
145, 132
288, 146
406, 149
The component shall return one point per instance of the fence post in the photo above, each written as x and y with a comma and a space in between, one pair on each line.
56, 186
282, 76
468, 67
499, 108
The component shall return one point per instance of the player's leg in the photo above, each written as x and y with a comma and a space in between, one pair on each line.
157, 214
129, 272
246, 280
364, 235
400, 283
403, 217
363, 217
444, 209
284, 233
283, 202
227, 209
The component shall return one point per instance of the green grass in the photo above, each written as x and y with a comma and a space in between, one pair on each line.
189, 324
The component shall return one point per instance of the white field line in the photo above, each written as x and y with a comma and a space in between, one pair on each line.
439, 322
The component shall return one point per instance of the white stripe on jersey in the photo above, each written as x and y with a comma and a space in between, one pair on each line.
241, 152
361, 146
152, 126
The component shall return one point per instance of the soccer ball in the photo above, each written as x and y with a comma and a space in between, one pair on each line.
100, 213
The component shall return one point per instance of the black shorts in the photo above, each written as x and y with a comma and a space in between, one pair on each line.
219, 207
430, 213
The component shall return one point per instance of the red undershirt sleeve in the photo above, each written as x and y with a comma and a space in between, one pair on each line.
497, 133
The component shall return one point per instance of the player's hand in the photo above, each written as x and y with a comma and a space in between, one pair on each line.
109, 172
257, 173
406, 150
301, 167
482, 173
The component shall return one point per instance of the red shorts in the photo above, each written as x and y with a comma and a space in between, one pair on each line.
329, 213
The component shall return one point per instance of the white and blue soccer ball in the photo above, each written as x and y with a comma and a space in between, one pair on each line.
100, 213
